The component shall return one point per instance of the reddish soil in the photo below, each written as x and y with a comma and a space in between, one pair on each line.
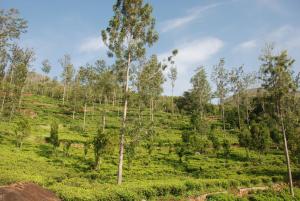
26, 192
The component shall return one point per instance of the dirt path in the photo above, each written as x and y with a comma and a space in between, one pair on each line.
26, 192
241, 192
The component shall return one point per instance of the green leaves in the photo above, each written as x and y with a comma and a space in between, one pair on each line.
130, 29
22, 131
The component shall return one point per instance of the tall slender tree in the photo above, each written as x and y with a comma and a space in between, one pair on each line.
237, 88
67, 74
276, 75
129, 31
172, 75
201, 91
220, 76
150, 83
46, 68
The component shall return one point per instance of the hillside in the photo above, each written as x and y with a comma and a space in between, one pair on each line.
151, 175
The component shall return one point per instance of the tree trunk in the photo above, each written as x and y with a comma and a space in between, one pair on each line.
122, 133
238, 108
286, 151
11, 112
172, 99
84, 116
4, 92
97, 163
3, 101
247, 114
103, 122
151, 110
93, 113
223, 115
114, 98
64, 93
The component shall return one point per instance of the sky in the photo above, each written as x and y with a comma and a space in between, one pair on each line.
202, 31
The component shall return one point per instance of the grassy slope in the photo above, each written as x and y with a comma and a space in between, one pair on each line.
158, 175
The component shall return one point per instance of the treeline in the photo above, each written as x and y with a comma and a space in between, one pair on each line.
263, 118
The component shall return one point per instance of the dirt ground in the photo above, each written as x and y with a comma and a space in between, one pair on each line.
26, 192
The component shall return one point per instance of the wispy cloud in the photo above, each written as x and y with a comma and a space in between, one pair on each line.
192, 54
91, 44
246, 45
191, 15
274, 5
285, 37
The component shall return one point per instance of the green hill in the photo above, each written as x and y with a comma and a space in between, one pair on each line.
151, 175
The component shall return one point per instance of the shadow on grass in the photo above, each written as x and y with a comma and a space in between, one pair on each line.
45, 150
78, 163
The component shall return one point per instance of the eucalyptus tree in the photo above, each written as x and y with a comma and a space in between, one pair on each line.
249, 79
76, 93
86, 78
67, 74
16, 76
100, 143
237, 88
107, 81
201, 91
240, 81
220, 77
11, 27
172, 75
46, 68
129, 31
22, 131
150, 82
277, 80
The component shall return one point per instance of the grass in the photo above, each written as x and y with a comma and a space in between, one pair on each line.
149, 177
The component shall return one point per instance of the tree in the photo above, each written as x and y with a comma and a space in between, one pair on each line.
245, 139
201, 91
172, 75
260, 137
129, 31
237, 88
240, 81
46, 68
276, 75
54, 140
12, 25
16, 76
226, 148
67, 74
100, 143
150, 83
22, 131
220, 77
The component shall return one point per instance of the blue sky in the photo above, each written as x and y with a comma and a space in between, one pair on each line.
203, 31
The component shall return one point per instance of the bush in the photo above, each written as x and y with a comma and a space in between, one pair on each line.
22, 131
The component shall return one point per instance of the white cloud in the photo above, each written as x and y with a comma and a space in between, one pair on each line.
191, 15
246, 45
91, 44
190, 56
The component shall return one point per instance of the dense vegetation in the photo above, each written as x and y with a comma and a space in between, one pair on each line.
105, 124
